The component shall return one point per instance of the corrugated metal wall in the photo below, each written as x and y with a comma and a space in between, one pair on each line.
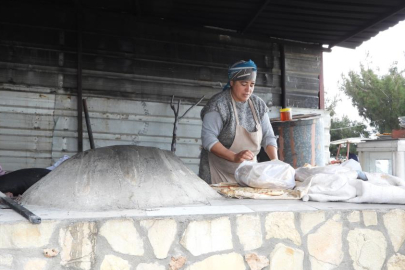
130, 72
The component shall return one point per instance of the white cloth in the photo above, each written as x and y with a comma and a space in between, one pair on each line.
380, 188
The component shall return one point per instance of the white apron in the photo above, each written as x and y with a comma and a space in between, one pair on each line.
223, 170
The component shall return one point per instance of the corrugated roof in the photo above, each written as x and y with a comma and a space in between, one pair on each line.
345, 23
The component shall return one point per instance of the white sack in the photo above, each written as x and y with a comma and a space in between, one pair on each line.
330, 187
371, 193
273, 174
352, 164
303, 173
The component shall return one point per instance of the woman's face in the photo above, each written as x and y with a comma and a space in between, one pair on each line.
242, 90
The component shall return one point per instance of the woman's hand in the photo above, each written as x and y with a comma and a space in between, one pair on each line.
243, 155
219, 150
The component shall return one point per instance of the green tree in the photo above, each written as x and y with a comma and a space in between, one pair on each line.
345, 128
380, 99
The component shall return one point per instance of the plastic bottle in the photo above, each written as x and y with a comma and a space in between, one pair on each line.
285, 114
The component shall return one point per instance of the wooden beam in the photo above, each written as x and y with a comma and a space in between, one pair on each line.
282, 82
264, 5
321, 86
372, 23
79, 78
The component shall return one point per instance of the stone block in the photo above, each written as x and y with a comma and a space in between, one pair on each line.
337, 217
319, 265
394, 221
286, 258
26, 235
370, 218
249, 231
256, 262
202, 237
123, 236
310, 219
354, 217
35, 264
177, 262
6, 259
78, 243
367, 248
325, 244
396, 262
281, 225
161, 234
150, 266
112, 262
231, 261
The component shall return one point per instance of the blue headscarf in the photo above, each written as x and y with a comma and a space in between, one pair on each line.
242, 70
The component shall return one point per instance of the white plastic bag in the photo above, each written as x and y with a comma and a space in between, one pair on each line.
273, 174
57, 163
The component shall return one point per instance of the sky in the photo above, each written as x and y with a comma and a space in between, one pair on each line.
383, 50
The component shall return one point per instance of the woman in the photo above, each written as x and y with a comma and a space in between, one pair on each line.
235, 125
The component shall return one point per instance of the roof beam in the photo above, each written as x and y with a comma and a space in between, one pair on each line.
264, 5
385, 16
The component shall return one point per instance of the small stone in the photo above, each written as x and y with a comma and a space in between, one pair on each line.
286, 258
26, 235
123, 236
231, 261
6, 259
370, 218
207, 236
310, 219
150, 266
35, 264
177, 262
354, 216
326, 244
367, 248
161, 235
51, 252
281, 225
112, 262
394, 221
256, 262
249, 231
78, 242
396, 262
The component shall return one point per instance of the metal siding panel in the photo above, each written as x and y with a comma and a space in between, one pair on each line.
123, 122
302, 73
26, 129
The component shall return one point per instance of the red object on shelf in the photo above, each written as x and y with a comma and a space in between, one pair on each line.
398, 133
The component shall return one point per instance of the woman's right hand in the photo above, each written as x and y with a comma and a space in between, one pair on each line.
243, 155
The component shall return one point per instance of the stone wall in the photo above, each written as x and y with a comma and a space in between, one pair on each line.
349, 239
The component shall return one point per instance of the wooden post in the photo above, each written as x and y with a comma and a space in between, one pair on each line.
88, 124
177, 119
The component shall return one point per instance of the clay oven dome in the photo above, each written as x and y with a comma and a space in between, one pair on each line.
120, 177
